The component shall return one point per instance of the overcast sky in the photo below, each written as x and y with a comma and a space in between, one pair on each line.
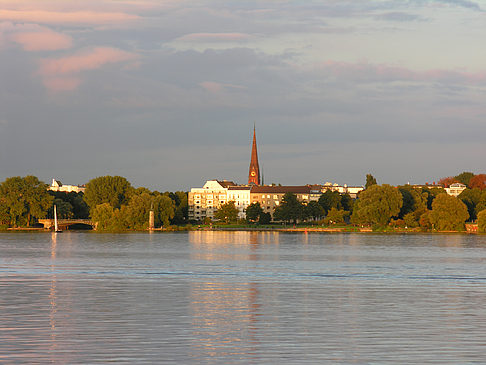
166, 92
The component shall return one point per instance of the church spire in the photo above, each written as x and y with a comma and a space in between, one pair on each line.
254, 173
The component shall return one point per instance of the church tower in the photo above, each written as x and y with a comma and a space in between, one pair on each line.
254, 174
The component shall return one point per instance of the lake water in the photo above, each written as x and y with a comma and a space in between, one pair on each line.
242, 297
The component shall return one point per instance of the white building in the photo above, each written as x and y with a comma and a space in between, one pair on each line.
455, 189
204, 202
58, 186
241, 196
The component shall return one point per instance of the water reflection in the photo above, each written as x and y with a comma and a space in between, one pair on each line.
225, 316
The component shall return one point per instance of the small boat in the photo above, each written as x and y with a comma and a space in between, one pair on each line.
56, 227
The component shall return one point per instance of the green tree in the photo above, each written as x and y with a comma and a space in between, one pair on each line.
64, 209
413, 202
448, 213
79, 207
313, 210
253, 212
377, 205
136, 213
330, 199
464, 177
290, 209
265, 218
114, 190
104, 216
482, 221
227, 212
347, 202
471, 197
24, 199
335, 216
370, 180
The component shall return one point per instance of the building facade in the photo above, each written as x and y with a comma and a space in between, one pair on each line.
56, 185
204, 202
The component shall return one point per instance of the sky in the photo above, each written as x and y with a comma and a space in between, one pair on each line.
166, 92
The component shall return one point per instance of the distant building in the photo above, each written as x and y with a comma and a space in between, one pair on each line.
455, 189
58, 186
254, 173
241, 196
270, 197
353, 191
204, 202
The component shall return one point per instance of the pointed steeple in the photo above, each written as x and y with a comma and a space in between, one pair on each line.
254, 173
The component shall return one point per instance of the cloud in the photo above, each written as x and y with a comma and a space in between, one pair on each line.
216, 87
462, 3
44, 40
56, 17
398, 16
367, 72
215, 37
61, 73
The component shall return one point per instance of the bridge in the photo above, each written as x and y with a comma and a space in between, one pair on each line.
65, 223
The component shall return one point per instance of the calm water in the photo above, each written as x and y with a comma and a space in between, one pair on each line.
242, 297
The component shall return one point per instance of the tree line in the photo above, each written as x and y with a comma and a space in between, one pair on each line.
381, 206
111, 201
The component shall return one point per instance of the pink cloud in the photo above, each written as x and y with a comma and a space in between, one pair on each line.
77, 17
212, 37
57, 84
216, 87
45, 40
59, 73
86, 60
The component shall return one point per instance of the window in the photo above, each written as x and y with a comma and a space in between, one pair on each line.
275, 197
268, 196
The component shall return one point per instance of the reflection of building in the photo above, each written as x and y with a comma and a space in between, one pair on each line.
58, 186
455, 189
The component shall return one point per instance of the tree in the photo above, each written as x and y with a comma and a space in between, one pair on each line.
448, 213
377, 205
227, 212
290, 209
253, 212
265, 218
478, 181
136, 213
335, 216
347, 202
482, 221
464, 177
330, 199
414, 202
370, 180
114, 190
103, 215
313, 210
63, 208
471, 197
447, 181
24, 199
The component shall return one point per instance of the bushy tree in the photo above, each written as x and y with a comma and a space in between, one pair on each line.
114, 190
253, 212
414, 202
478, 181
370, 180
290, 209
330, 199
227, 212
471, 197
482, 221
335, 216
377, 205
447, 181
24, 199
448, 213
464, 177
313, 210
